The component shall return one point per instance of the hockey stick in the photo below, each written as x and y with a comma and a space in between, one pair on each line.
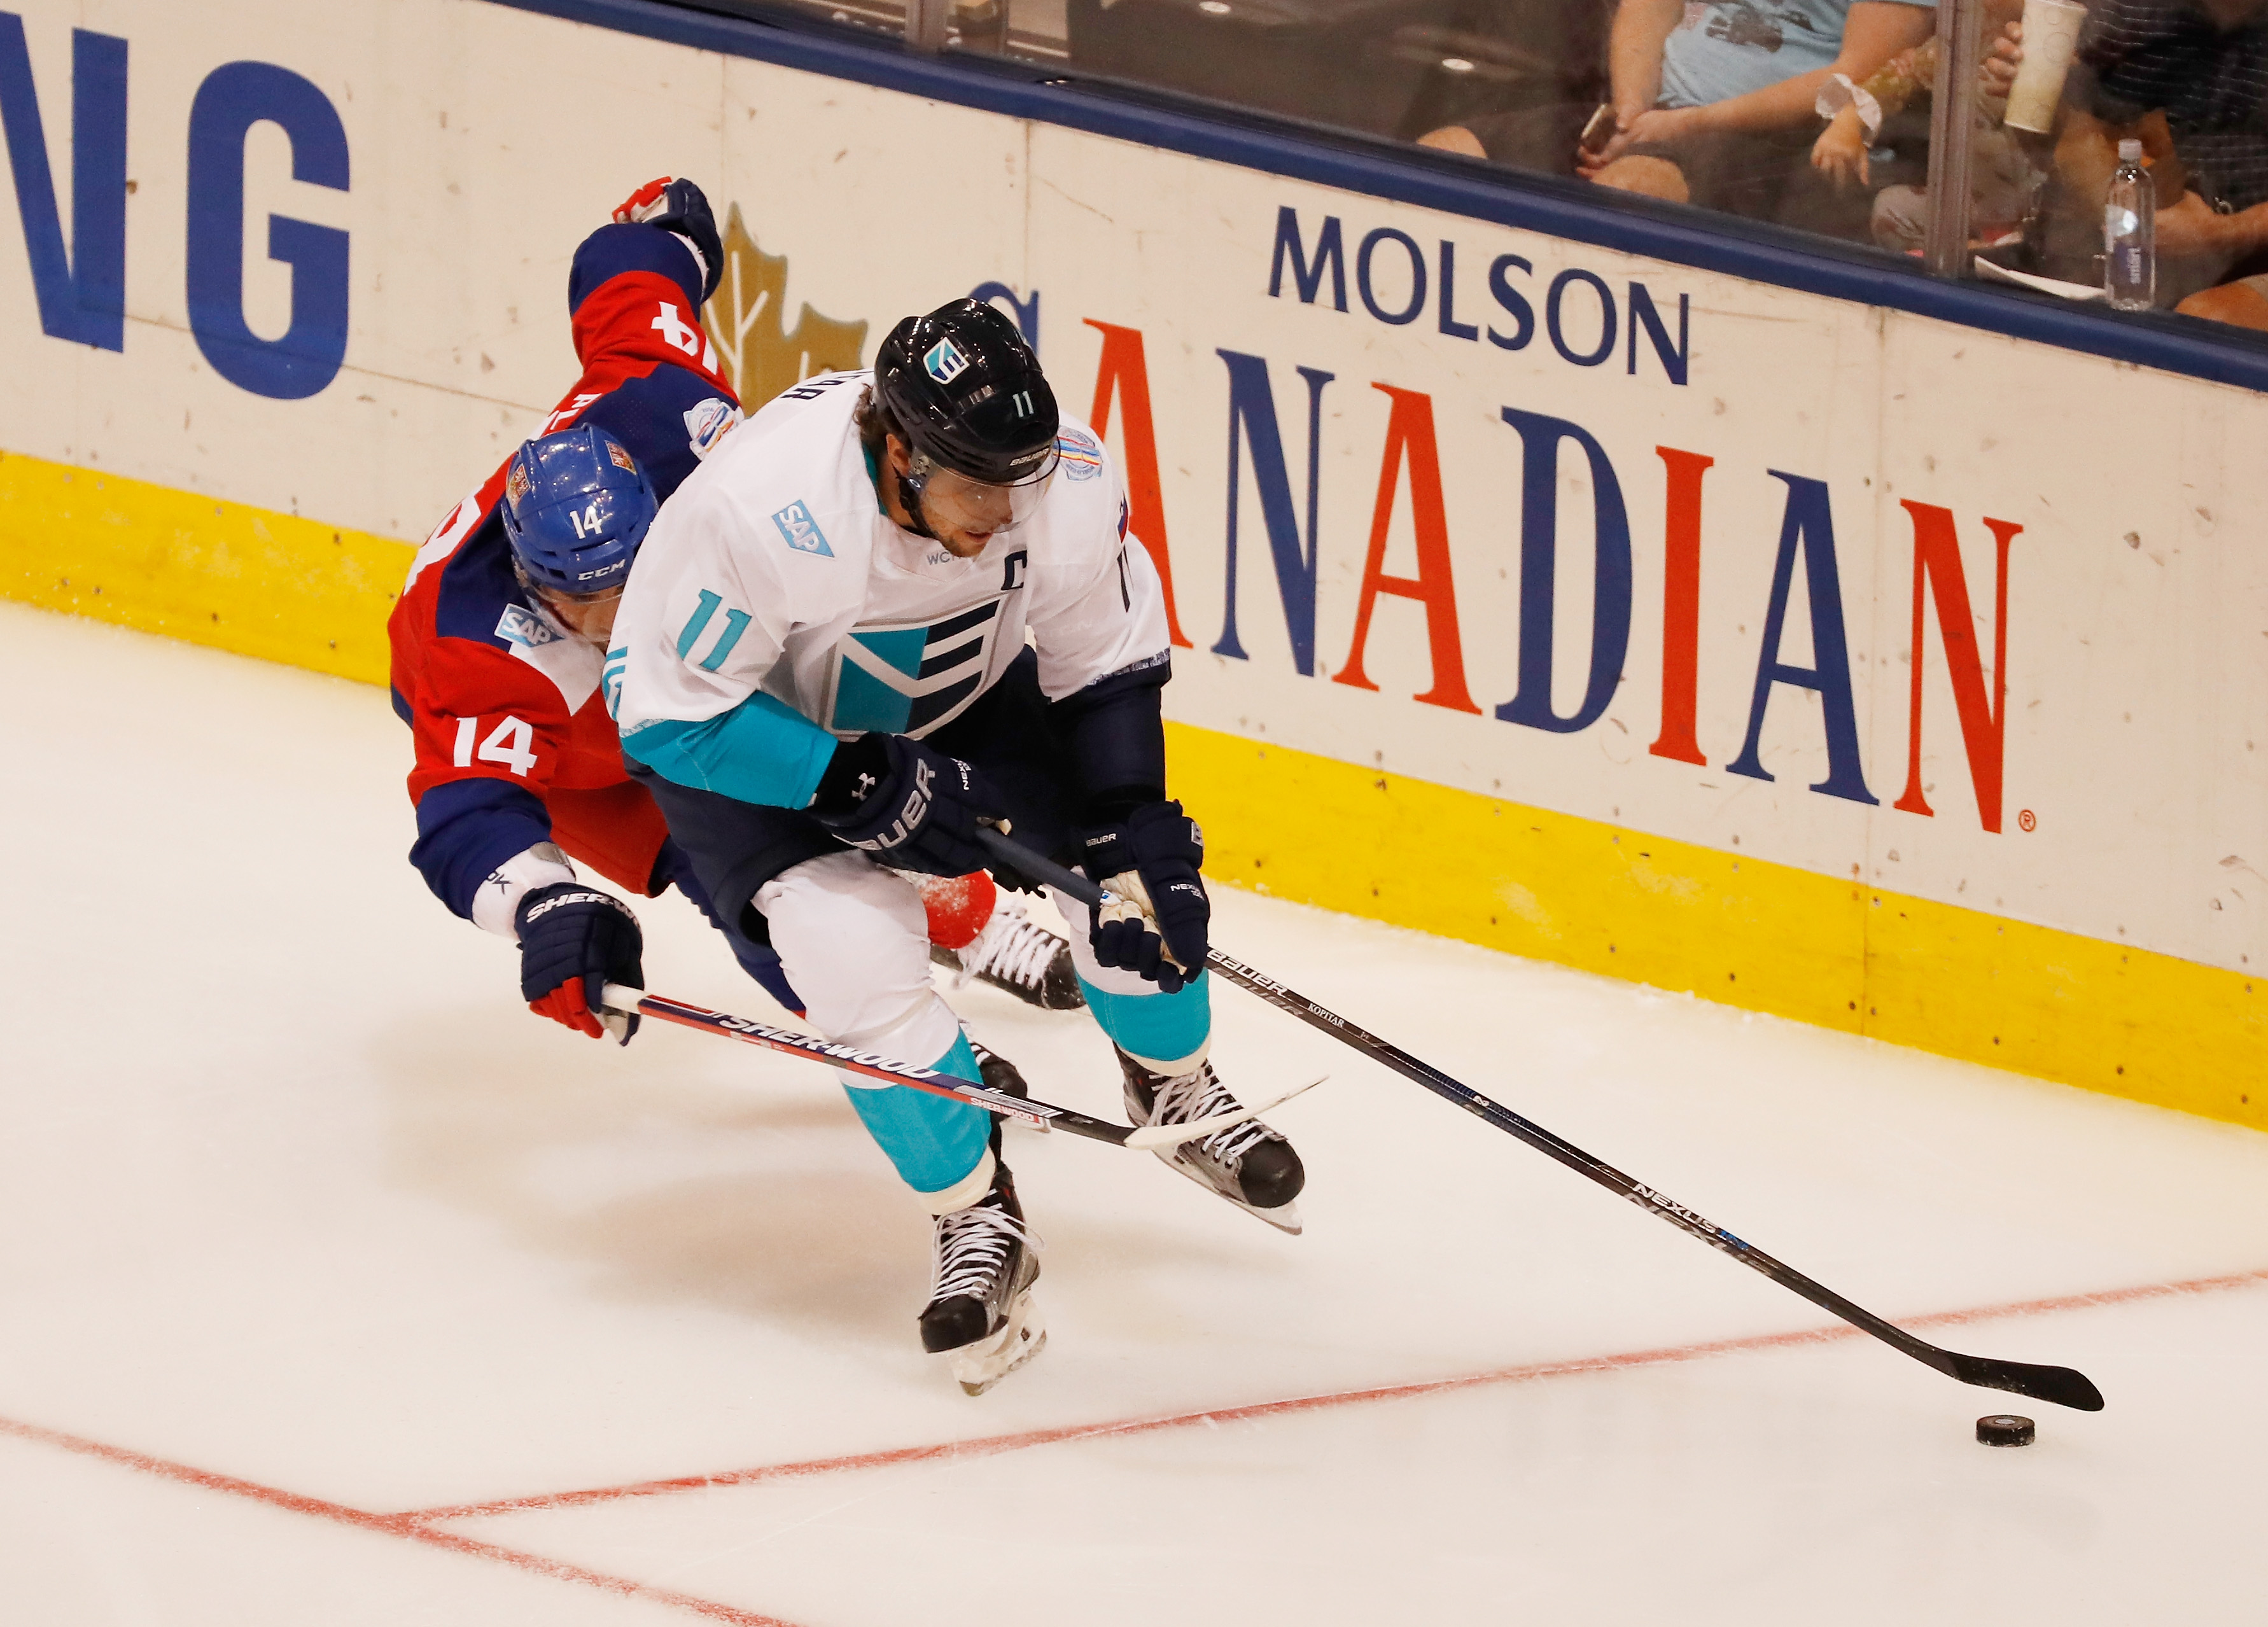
2063, 1385
620, 998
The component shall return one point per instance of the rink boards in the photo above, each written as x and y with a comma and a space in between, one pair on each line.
1819, 656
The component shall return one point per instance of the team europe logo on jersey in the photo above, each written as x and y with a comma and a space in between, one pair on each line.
801, 530
909, 679
945, 362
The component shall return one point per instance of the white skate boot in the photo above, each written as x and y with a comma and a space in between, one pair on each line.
1017, 954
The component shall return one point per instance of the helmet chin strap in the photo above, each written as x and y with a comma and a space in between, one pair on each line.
909, 495
911, 484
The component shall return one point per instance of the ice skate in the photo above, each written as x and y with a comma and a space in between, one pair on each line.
1251, 1165
1017, 954
980, 1314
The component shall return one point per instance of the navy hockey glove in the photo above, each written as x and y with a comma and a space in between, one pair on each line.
1155, 924
909, 805
574, 940
679, 206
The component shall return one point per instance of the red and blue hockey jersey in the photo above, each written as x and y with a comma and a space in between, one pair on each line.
513, 743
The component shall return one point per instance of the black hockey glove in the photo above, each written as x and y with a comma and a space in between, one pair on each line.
681, 207
909, 805
1156, 923
573, 941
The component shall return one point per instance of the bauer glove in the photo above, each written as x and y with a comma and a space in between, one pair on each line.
909, 805
679, 206
1155, 923
574, 940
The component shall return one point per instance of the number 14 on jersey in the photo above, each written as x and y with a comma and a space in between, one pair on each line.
510, 742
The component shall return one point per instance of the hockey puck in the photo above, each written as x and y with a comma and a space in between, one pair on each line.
2005, 1429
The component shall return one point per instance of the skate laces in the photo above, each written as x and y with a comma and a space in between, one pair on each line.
972, 1245
1013, 947
1201, 1095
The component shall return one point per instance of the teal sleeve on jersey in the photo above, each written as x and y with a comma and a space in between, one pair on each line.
762, 751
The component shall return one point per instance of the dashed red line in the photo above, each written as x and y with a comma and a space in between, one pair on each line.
988, 1446
414, 1528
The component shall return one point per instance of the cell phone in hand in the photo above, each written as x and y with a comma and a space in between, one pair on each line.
1597, 128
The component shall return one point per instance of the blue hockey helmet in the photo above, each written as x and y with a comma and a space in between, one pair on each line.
576, 506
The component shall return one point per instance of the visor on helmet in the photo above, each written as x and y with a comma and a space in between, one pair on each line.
979, 507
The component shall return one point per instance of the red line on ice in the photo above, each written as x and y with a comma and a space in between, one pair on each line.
414, 1528
988, 1446
423, 1525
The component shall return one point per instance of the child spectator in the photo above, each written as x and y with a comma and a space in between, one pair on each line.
1713, 98
2004, 181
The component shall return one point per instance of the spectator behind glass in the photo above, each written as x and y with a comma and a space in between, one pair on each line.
2201, 66
2004, 181
1713, 98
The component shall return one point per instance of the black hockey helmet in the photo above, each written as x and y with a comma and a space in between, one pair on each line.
969, 395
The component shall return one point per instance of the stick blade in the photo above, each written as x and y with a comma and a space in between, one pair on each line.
1152, 1137
2066, 1387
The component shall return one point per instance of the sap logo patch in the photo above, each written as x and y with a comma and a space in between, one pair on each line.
709, 424
945, 362
801, 530
1077, 455
523, 627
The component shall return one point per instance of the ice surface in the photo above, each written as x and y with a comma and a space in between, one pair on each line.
292, 1191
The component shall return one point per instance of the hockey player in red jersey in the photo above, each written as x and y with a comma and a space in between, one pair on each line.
499, 639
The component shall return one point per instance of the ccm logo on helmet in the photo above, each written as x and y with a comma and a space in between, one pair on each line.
944, 362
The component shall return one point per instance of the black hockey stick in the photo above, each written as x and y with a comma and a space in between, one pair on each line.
2064, 1386
620, 998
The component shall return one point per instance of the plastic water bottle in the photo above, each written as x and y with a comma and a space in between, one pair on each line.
2130, 234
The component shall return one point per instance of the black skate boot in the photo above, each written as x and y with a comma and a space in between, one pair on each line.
1248, 1164
1017, 954
980, 1312
997, 1072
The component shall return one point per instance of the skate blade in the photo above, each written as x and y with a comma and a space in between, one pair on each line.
1022, 1335
1284, 1218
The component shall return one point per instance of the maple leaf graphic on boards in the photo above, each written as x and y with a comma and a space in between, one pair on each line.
760, 357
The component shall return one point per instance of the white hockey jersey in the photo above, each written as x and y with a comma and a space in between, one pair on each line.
776, 607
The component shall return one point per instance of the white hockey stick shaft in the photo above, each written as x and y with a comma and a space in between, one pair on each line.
622, 998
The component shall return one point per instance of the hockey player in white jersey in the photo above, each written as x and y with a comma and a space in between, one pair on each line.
891, 607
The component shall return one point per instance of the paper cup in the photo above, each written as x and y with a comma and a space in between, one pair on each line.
2051, 39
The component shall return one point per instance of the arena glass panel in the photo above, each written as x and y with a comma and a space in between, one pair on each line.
1816, 115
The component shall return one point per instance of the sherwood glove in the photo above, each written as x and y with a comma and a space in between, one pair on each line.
679, 206
573, 941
